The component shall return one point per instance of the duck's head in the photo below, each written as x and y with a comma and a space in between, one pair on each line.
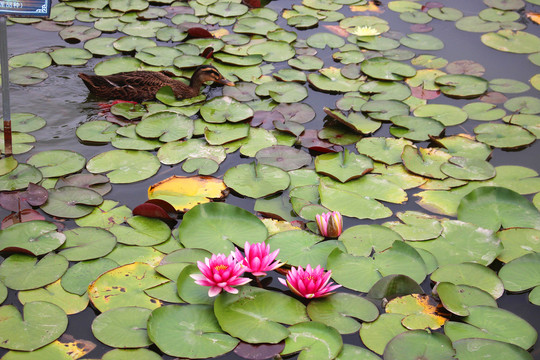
206, 73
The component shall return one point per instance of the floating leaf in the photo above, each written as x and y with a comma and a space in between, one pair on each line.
40, 324
313, 338
386, 69
414, 344
248, 317
512, 274
518, 42
377, 334
300, 248
283, 157
188, 331
124, 166
32, 237
343, 166
216, 226
498, 207
462, 86
256, 180
55, 294
24, 272
488, 348
122, 327
71, 202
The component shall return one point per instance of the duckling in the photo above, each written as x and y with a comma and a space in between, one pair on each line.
143, 85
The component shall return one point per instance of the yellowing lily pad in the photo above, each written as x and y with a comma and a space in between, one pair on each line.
184, 192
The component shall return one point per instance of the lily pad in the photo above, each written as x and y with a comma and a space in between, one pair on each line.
124, 286
55, 294
413, 344
462, 86
512, 274
124, 166
338, 311
256, 180
283, 157
71, 202
498, 207
518, 42
27, 75
79, 276
122, 327
343, 166
216, 226
415, 128
486, 322
24, 272
300, 248
377, 334
386, 150
386, 69
248, 316
56, 163
32, 237
40, 324
314, 341
503, 135
487, 348
71, 56
282, 92
189, 331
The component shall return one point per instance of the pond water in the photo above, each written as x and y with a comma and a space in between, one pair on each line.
65, 104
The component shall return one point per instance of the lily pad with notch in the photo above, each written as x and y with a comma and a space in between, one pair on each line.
25, 272
87, 243
313, 338
427, 163
219, 226
415, 128
71, 202
25, 122
282, 92
504, 135
123, 327
416, 343
283, 157
464, 168
27, 75
356, 121
256, 180
142, 231
518, 42
165, 125
338, 311
343, 166
97, 132
462, 86
221, 109
77, 278
331, 79
386, 150
237, 314
32, 237
55, 294
40, 324
386, 69
422, 42
385, 109
124, 166
56, 163
190, 331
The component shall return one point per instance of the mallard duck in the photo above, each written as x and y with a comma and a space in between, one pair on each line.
143, 85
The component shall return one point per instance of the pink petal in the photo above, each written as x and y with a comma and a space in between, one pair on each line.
214, 290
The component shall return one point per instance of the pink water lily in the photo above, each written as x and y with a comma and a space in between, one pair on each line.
330, 224
220, 272
309, 283
258, 258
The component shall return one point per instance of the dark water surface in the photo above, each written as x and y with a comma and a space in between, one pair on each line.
64, 103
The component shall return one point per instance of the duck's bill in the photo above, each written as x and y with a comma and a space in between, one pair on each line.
225, 82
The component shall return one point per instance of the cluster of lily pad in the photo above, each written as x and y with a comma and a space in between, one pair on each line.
139, 274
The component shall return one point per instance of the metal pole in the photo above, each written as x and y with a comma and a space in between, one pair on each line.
5, 86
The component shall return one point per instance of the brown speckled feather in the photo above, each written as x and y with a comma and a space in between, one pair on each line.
143, 85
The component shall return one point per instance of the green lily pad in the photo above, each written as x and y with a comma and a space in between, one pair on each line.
384, 90
122, 327
40, 324
71, 202
386, 150
343, 166
470, 274
127, 354
300, 248
33, 237
518, 242
56, 163
306, 62
322, 40
377, 334
427, 163
472, 349
385, 109
416, 226
338, 197
458, 298
468, 169
175, 152
216, 226
166, 125
361, 240
503, 135
25, 122
462, 86
345, 266
38, 59
283, 157
254, 25
249, 316
447, 115
338, 311
24, 272
493, 207
420, 311
386, 69
512, 274
282, 92
461, 241
445, 13
219, 134
518, 42
486, 322
415, 128
483, 111
314, 341
331, 79
256, 180
189, 331
221, 109
124, 166
356, 121
71, 56
523, 105
124, 286
79, 276
97, 132
27, 75
54, 293
272, 51
142, 231
116, 65
422, 41
413, 344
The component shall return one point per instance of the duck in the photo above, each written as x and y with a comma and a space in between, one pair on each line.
143, 85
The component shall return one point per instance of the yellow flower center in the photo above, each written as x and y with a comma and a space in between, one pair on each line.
221, 267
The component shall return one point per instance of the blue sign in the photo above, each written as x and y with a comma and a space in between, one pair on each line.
39, 8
